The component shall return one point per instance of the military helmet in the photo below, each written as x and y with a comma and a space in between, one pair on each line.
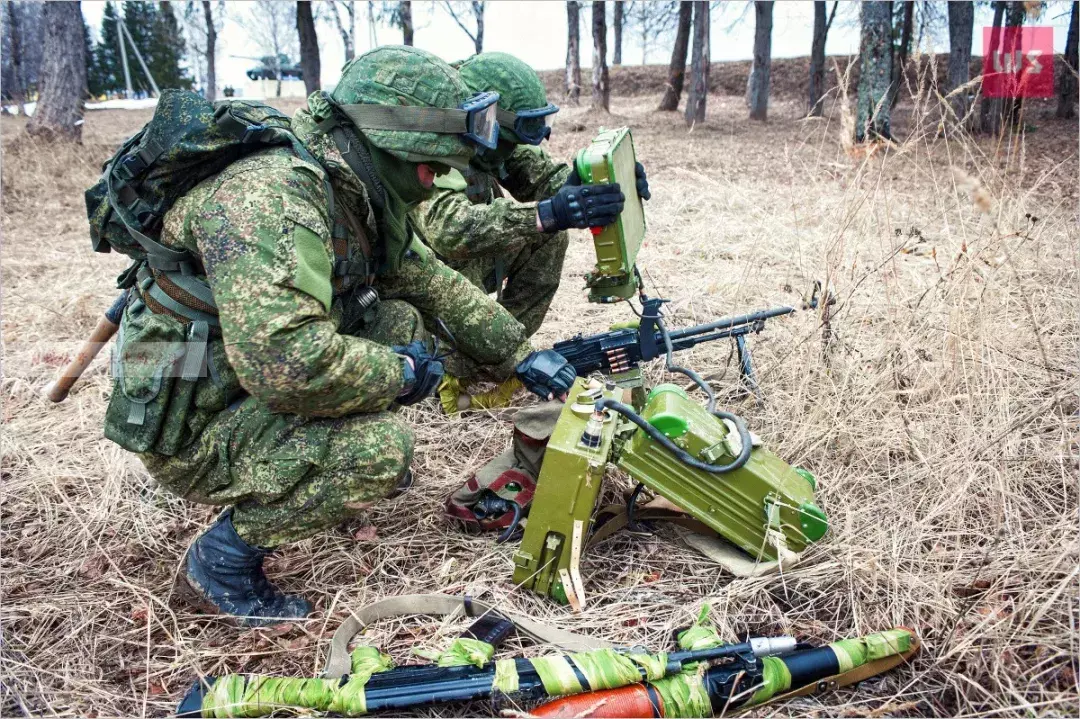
410, 77
523, 102
518, 85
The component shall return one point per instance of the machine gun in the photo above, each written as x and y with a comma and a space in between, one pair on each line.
620, 351
702, 460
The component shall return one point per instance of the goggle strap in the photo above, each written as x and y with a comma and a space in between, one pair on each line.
407, 118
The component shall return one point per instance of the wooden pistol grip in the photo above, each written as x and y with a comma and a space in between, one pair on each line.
58, 389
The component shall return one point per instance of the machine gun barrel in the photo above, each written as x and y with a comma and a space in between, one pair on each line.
726, 323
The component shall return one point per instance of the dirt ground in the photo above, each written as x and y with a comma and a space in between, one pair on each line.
937, 406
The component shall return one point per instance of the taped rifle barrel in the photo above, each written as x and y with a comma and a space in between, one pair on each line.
731, 322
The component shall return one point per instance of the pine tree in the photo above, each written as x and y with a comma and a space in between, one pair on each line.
168, 51
109, 75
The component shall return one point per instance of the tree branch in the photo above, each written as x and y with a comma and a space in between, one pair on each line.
450, 9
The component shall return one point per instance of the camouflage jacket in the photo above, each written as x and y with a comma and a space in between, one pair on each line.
262, 231
469, 217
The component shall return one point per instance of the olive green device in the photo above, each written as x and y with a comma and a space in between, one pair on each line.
610, 158
764, 507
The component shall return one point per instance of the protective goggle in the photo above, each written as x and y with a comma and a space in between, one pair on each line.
530, 126
475, 120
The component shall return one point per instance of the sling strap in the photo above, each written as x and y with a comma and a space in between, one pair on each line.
338, 662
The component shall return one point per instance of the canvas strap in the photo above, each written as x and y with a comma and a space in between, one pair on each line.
612, 517
338, 663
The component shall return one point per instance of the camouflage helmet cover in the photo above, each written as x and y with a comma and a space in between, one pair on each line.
518, 85
399, 75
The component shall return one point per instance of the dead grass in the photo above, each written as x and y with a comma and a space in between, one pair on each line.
941, 422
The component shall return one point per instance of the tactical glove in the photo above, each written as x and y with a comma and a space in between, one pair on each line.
546, 374
642, 181
422, 376
580, 206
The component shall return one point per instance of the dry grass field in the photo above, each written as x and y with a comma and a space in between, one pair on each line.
937, 406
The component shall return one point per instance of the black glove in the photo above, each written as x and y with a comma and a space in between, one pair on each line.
580, 206
546, 374
422, 377
641, 181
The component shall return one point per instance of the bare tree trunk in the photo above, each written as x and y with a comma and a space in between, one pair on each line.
62, 87
478, 12
211, 47
817, 56
573, 52
699, 66
617, 20
875, 72
18, 93
990, 112
904, 51
309, 46
961, 24
1068, 85
760, 71
347, 33
677, 68
601, 92
405, 11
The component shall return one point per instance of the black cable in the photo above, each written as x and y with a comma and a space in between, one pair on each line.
631, 508
672, 367
683, 456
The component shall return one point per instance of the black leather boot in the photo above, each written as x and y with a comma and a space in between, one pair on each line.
223, 574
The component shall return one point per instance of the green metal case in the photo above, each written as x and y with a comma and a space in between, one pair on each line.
762, 507
560, 518
610, 158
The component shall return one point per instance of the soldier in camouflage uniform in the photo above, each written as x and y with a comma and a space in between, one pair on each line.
291, 429
503, 245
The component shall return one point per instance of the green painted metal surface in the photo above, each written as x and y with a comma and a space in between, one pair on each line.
610, 158
566, 492
739, 505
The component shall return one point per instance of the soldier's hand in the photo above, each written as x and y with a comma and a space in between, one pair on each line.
580, 206
642, 181
546, 374
422, 371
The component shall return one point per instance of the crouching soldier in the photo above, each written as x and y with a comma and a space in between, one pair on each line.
513, 246
296, 268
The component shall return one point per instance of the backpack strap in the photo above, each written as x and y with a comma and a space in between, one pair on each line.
346, 267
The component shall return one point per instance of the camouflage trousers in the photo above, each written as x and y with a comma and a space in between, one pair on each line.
287, 476
532, 277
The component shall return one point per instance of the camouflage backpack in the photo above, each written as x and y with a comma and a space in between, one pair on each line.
188, 140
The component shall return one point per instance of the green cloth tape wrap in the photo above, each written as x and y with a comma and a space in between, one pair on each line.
775, 677
239, 695
700, 635
684, 695
557, 675
463, 651
851, 653
506, 676
605, 669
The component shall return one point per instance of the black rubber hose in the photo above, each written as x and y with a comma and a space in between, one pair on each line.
683, 456
670, 365
506, 534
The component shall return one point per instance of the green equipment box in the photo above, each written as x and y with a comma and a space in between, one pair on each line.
610, 158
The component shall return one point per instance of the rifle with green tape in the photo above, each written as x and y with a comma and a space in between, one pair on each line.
464, 673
